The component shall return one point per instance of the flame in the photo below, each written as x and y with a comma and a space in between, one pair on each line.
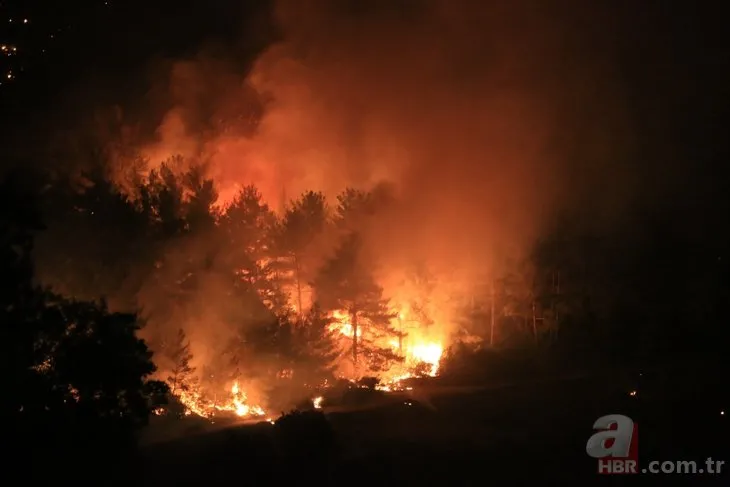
416, 349
317, 402
429, 353
236, 403
342, 324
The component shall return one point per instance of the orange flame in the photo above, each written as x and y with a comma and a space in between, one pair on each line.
237, 404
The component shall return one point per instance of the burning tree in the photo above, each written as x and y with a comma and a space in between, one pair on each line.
181, 376
345, 285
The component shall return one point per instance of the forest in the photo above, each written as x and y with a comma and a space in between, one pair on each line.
108, 289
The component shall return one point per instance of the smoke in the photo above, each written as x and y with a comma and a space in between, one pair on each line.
487, 118
484, 116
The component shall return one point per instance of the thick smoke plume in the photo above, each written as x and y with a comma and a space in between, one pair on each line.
486, 118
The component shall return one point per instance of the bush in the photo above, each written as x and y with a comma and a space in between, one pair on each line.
304, 434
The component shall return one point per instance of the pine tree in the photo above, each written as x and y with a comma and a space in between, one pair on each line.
304, 221
162, 199
249, 227
181, 374
355, 207
346, 284
199, 203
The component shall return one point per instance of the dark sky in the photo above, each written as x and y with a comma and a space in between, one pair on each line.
107, 44
673, 58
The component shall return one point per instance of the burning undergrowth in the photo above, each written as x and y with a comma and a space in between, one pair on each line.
322, 355
249, 310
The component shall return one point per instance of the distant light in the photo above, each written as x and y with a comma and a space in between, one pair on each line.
25, 21
632, 393
722, 413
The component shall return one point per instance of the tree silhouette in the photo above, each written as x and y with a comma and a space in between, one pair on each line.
162, 199
96, 241
353, 206
303, 222
249, 226
76, 374
345, 283
200, 197
181, 376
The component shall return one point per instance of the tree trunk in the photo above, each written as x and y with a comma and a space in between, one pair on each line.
491, 323
534, 322
174, 383
298, 281
353, 322
400, 335
557, 312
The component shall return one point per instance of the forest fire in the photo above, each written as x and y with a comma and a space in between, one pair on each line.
410, 355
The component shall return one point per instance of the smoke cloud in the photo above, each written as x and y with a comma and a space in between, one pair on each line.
486, 117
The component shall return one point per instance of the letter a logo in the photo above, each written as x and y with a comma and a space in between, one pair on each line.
616, 438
